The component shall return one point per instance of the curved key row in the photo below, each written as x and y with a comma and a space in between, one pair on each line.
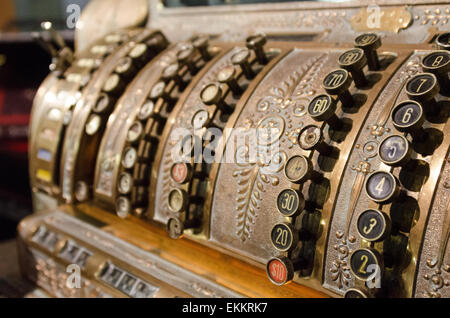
125, 159
53, 109
326, 166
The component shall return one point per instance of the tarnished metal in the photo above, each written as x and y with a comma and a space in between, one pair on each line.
296, 221
374, 18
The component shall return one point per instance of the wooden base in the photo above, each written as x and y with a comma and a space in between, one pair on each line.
225, 270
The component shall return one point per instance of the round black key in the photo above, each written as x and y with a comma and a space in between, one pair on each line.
201, 43
175, 228
407, 114
443, 41
354, 61
438, 63
146, 110
185, 57
129, 158
436, 60
93, 124
422, 87
125, 183
395, 150
135, 132
280, 270
320, 105
311, 138
123, 207
113, 84
140, 53
370, 42
373, 225
322, 108
104, 102
366, 264
177, 200
242, 58
284, 237
382, 187
290, 202
227, 75
159, 91
212, 94
256, 43
298, 169
125, 67
354, 293
170, 73
408, 117
337, 82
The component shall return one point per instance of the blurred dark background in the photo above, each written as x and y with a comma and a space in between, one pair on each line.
23, 66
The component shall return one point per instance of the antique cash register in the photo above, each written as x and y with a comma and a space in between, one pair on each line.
219, 148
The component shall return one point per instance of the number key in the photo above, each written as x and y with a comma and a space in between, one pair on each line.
366, 264
408, 117
423, 88
322, 108
280, 270
369, 42
354, 61
284, 237
382, 187
290, 202
373, 225
443, 41
438, 63
395, 150
337, 83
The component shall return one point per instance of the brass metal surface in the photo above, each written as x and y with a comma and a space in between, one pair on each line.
72, 168
229, 209
112, 146
391, 19
102, 17
317, 20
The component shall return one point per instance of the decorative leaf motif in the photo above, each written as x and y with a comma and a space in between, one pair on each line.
251, 177
251, 181
303, 85
247, 201
291, 88
340, 273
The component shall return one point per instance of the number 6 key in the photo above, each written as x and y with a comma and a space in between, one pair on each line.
408, 117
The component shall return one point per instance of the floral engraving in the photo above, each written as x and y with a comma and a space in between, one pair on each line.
253, 174
437, 280
340, 271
